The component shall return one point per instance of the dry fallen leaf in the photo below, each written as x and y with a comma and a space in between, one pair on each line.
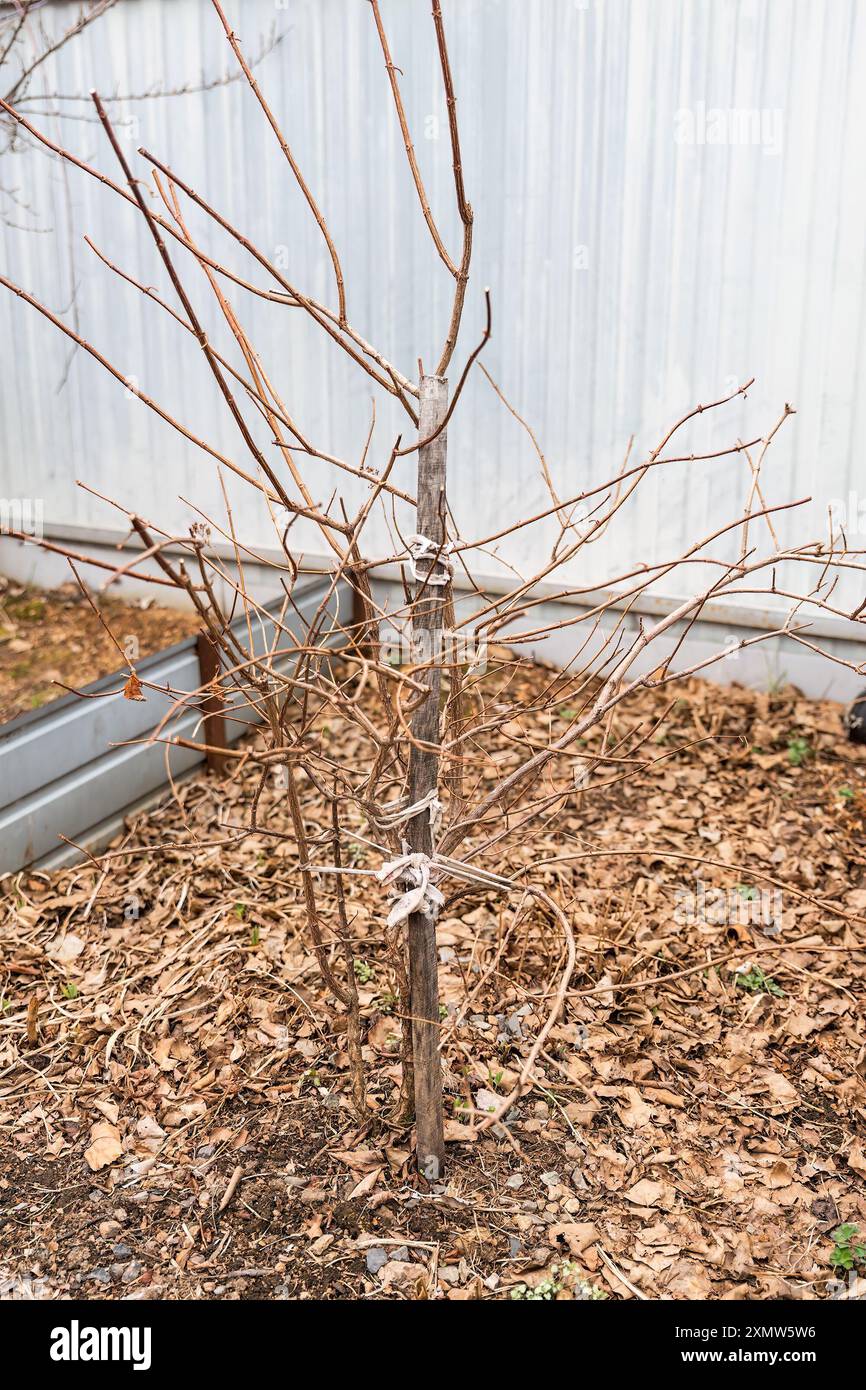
780, 1175
361, 1159
367, 1183
689, 1280
778, 1087
457, 1132
105, 1146
384, 1034
147, 1128
578, 1235
402, 1275
161, 1054
637, 1113
857, 1158
647, 1193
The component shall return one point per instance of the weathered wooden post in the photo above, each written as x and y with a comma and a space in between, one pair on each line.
428, 614
212, 705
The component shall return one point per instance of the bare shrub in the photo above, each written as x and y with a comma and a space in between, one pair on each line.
426, 800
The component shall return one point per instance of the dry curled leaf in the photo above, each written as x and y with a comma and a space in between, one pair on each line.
367, 1183
132, 689
105, 1146
578, 1235
857, 1158
636, 1114
647, 1193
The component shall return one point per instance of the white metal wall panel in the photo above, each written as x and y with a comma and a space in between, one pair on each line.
631, 275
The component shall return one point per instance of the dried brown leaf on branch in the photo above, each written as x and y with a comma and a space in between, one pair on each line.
132, 689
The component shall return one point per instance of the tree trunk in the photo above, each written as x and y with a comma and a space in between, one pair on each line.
428, 614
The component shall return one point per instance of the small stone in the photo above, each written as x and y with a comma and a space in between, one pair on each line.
376, 1258
121, 1251
449, 1274
131, 1272
516, 1180
100, 1276
401, 1254
551, 1179
107, 1229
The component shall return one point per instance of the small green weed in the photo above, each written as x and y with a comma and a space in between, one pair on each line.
799, 751
756, 982
848, 1251
563, 1277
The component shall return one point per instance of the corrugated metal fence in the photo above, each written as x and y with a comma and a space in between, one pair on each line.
668, 197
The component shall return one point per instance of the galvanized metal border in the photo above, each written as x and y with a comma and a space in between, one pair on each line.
71, 768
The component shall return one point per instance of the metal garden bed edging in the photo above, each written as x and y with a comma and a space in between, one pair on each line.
62, 773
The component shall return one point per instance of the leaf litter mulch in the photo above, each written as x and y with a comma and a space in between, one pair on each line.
52, 639
174, 1095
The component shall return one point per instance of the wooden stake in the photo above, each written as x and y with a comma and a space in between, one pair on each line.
428, 613
212, 705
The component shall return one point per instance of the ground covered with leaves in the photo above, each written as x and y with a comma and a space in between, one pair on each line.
52, 639
175, 1117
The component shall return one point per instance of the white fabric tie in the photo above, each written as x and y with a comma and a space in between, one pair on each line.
422, 548
394, 813
420, 896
